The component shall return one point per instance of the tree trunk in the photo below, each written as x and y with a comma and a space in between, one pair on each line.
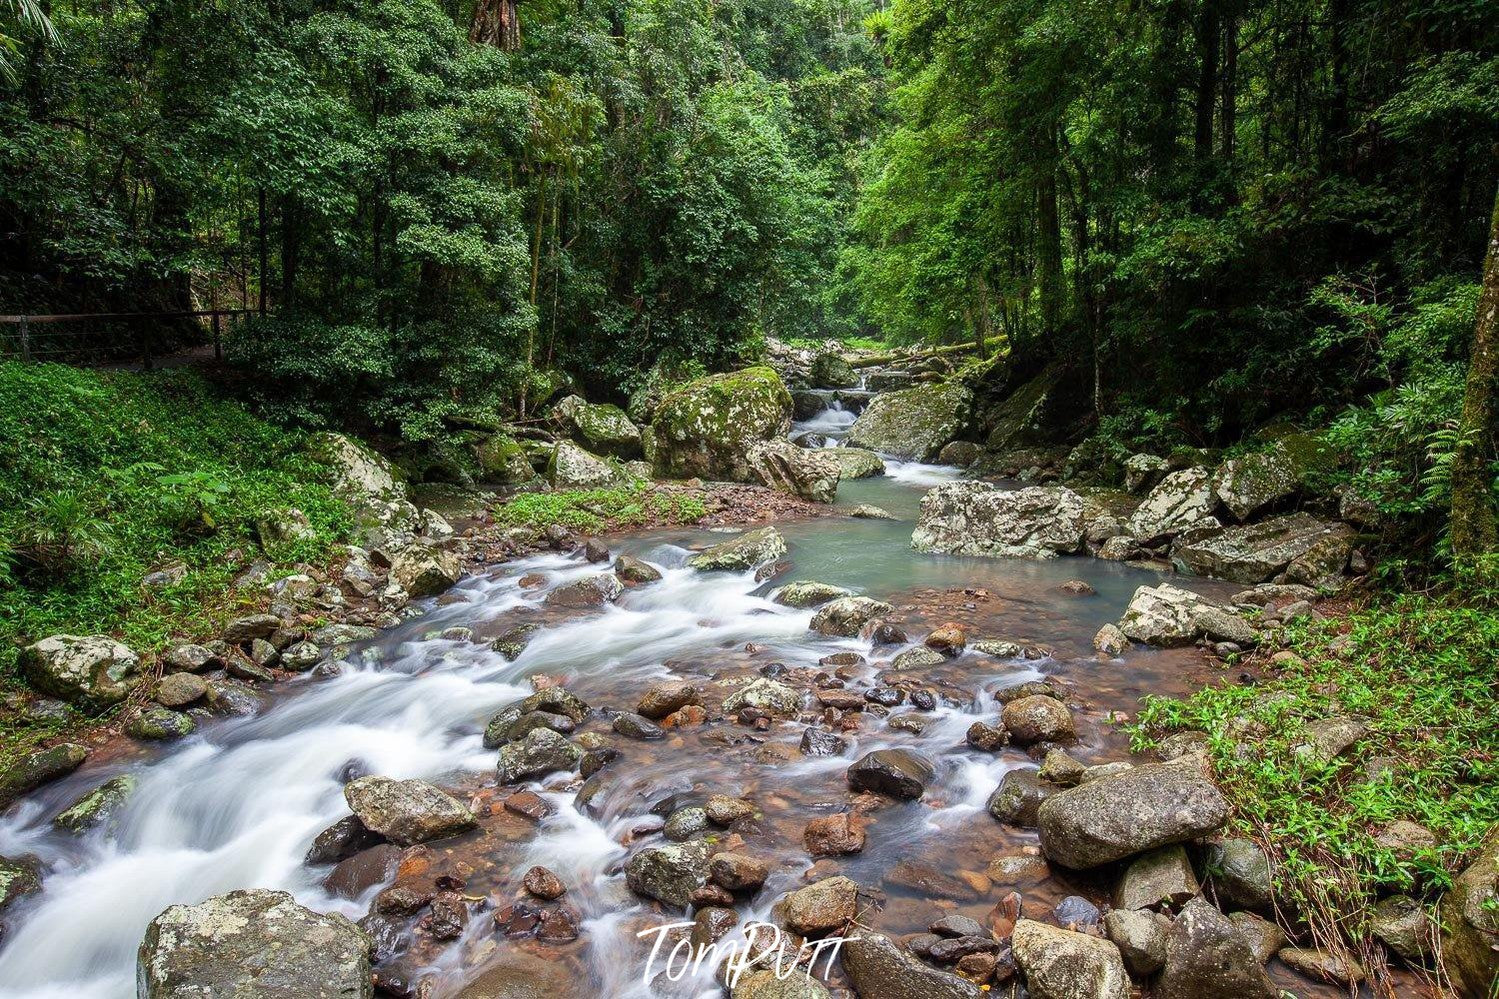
1049, 248
1209, 34
1475, 526
497, 23
1229, 113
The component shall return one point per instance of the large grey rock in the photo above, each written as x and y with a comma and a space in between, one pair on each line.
1241, 874
671, 873
603, 427
1117, 816
829, 904
1255, 553
1470, 923
1249, 484
747, 551
1062, 964
590, 591
857, 462
707, 427
251, 944
425, 570
1018, 798
1143, 471
407, 811
912, 424
979, 518
572, 467
1168, 615
1181, 501
1207, 958
880, 968
832, 371
1038, 718
32, 770
542, 751
1161, 877
1401, 924
809, 474
90, 670
1140, 936
845, 616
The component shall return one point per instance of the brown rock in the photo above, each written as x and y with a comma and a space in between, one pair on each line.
834, 835
544, 884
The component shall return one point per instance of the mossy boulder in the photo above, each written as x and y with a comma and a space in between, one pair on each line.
503, 460
91, 670
913, 424
602, 427
572, 467
707, 427
833, 371
1470, 923
857, 463
97, 806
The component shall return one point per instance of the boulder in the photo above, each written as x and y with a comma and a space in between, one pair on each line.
572, 467
661, 699
502, 460
671, 873
1265, 939
1062, 964
846, 616
832, 371
747, 551
1207, 958
1256, 553
1321, 965
1140, 937
253, 943
1168, 615
1143, 471
637, 571
603, 427
1241, 874
808, 593
407, 811
707, 427
1018, 799
880, 968
979, 518
1110, 641
913, 424
1470, 923
1038, 719
765, 694
1402, 925
160, 724
1117, 816
1159, 878
93, 671
31, 770
868, 511
96, 807
18, 878
425, 570
587, 593
834, 835
766, 983
1180, 502
737, 871
830, 904
899, 773
1247, 485
542, 751
810, 474
857, 462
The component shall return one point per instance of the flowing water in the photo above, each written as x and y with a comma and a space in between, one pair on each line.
237, 804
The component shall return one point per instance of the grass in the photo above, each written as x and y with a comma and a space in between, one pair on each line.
593, 511
1423, 672
106, 477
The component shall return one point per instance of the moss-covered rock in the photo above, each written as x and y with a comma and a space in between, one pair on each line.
96, 806
31, 771
707, 427
602, 427
857, 463
161, 723
571, 467
833, 371
914, 423
503, 460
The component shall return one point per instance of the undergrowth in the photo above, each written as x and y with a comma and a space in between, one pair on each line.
1421, 671
595, 510
106, 478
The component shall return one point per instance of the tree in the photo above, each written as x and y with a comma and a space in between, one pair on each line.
30, 16
497, 23
1475, 523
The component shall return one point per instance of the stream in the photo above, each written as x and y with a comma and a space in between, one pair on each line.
237, 804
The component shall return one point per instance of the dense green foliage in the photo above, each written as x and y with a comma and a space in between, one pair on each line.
644, 181
598, 510
1422, 672
107, 478
1200, 206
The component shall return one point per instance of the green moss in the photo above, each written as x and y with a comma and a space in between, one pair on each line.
704, 427
594, 511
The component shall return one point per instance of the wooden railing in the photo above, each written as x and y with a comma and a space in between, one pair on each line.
47, 337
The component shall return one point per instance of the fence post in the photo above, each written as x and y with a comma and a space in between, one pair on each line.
25, 340
218, 344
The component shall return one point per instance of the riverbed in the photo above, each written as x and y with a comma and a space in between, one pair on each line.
237, 804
